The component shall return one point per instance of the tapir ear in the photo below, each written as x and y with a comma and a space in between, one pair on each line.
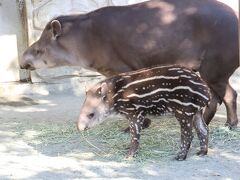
56, 28
104, 89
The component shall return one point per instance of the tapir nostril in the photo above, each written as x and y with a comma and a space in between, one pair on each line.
90, 116
28, 66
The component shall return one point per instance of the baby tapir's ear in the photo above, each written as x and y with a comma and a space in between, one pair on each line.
56, 28
104, 89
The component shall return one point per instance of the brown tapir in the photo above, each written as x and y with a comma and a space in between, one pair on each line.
151, 91
201, 35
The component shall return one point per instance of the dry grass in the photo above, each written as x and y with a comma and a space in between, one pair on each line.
158, 143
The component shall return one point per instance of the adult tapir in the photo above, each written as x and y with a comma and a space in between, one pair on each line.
201, 35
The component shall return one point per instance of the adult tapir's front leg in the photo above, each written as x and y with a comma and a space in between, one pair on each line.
135, 125
186, 135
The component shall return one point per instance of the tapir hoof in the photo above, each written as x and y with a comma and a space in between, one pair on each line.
131, 154
180, 157
146, 123
202, 153
231, 125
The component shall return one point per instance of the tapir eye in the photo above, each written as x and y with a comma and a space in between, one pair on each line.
91, 115
38, 52
104, 98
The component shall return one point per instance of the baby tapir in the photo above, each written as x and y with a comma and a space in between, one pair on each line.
152, 91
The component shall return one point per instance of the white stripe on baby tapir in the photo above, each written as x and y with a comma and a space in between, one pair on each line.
160, 99
121, 90
168, 90
197, 83
173, 69
130, 109
189, 77
121, 79
139, 115
143, 106
124, 100
123, 112
178, 111
149, 79
184, 104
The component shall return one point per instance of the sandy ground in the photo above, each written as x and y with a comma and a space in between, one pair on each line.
27, 153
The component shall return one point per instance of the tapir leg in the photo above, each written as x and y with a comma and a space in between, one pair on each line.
135, 129
202, 132
186, 135
146, 124
230, 102
211, 109
229, 97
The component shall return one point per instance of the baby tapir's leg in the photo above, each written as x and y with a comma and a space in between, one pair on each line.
186, 135
146, 124
202, 132
135, 124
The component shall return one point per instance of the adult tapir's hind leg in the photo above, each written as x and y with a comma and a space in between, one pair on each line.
222, 92
229, 96
230, 102
186, 134
202, 132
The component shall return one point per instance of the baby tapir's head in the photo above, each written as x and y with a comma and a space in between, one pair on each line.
95, 107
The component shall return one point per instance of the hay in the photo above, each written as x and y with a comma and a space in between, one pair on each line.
107, 141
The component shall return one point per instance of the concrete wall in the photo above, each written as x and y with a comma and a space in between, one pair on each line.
9, 37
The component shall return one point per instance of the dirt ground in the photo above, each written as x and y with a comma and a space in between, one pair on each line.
39, 140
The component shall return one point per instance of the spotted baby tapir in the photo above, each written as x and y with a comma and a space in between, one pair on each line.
152, 91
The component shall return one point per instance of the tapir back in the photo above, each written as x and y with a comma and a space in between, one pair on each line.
161, 89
